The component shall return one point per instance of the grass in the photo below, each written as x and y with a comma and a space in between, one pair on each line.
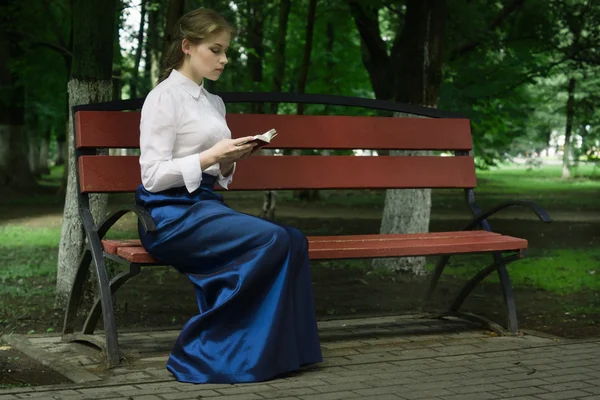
508, 182
559, 271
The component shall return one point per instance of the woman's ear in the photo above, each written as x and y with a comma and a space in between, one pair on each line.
186, 46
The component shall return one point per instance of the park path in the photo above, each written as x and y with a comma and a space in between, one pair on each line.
372, 358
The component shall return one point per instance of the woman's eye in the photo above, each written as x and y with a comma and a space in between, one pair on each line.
215, 51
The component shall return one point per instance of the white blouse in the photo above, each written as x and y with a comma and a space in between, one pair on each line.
179, 120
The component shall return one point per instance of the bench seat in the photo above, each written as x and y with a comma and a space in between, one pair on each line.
367, 246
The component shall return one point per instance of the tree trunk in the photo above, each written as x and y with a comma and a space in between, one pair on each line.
566, 163
33, 150
307, 195
310, 30
279, 55
410, 74
256, 20
138, 53
270, 196
15, 172
44, 161
329, 60
117, 74
151, 68
90, 82
174, 12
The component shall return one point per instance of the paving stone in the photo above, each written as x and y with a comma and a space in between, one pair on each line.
470, 396
568, 394
524, 391
566, 386
522, 383
331, 396
286, 393
240, 389
151, 391
47, 395
421, 394
395, 389
189, 395
475, 388
593, 389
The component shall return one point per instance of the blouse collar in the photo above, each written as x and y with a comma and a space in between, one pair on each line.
187, 84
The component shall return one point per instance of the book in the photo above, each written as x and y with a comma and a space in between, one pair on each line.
264, 139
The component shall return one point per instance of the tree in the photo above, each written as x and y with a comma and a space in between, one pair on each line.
90, 82
411, 72
15, 172
138, 52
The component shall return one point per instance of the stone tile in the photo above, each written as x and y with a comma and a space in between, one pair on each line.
278, 394
470, 396
523, 391
189, 395
331, 396
568, 394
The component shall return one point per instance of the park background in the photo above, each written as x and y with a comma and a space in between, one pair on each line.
525, 72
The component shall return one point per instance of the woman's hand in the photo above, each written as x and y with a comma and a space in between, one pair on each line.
250, 153
231, 150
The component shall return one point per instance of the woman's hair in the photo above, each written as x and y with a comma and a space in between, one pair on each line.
194, 26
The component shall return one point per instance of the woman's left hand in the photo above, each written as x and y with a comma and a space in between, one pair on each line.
250, 153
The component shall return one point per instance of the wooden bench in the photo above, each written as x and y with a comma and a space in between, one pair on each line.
100, 126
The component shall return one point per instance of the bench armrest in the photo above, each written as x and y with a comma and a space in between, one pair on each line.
537, 210
142, 214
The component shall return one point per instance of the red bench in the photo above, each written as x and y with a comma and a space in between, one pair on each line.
107, 126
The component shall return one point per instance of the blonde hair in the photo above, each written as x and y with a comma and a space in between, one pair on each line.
194, 26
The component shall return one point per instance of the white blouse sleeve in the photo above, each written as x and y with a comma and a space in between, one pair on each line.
224, 181
158, 130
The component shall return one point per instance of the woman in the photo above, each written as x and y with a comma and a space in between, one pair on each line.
251, 276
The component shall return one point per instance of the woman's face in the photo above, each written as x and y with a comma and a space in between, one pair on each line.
207, 59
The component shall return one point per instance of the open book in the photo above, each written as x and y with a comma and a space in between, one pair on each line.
264, 139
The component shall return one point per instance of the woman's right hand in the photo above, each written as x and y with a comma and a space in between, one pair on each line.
230, 150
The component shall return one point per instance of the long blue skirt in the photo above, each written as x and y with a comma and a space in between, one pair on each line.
256, 317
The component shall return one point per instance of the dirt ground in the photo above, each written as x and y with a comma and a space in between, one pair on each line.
18, 370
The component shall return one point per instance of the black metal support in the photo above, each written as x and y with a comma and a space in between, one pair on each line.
92, 320
509, 300
435, 277
108, 311
468, 288
142, 214
481, 217
76, 292
507, 293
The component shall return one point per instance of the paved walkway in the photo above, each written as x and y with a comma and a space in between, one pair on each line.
375, 358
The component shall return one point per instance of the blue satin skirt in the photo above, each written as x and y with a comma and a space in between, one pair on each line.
252, 280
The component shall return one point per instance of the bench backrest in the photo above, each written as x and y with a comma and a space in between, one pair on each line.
118, 129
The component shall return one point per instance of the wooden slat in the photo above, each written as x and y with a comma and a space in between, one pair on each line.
369, 246
111, 246
136, 254
412, 247
108, 129
116, 129
121, 173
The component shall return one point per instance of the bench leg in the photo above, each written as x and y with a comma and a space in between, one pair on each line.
108, 311
76, 293
92, 320
435, 277
509, 297
499, 265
